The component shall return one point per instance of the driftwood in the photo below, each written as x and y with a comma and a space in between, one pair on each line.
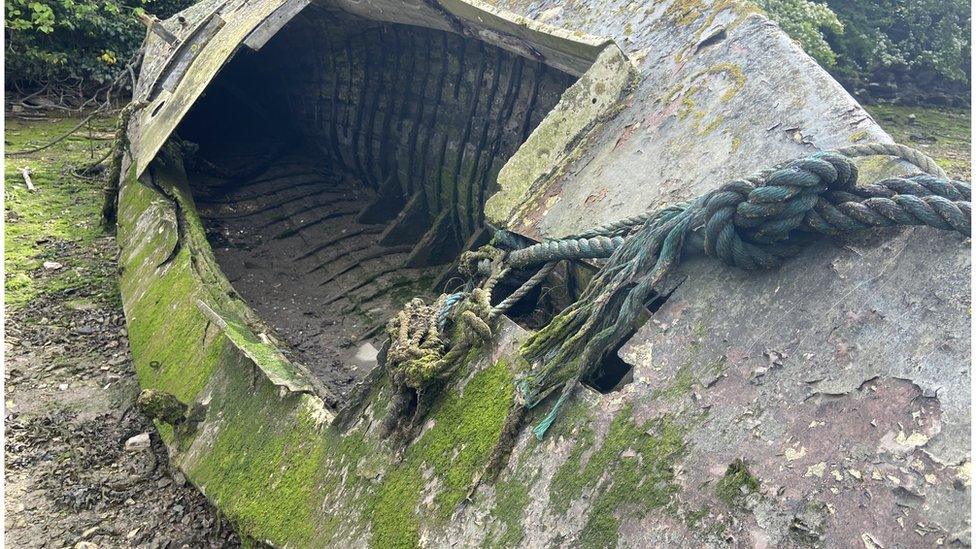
25, 171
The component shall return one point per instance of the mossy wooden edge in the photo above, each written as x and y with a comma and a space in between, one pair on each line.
591, 100
266, 451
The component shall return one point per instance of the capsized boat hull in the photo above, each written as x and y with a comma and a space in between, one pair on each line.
825, 402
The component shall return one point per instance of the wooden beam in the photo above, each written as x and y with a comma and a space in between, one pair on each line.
410, 224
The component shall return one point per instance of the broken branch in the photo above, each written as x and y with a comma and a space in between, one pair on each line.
25, 171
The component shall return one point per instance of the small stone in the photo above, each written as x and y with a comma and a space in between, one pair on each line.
137, 443
870, 542
132, 534
85, 545
89, 532
816, 470
793, 454
63, 387
52, 265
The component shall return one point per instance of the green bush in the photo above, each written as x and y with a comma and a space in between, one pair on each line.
74, 46
922, 44
920, 36
806, 22
913, 50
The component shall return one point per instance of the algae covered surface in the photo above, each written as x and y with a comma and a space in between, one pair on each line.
60, 215
942, 133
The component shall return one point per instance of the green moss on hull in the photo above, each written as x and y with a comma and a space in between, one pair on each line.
262, 469
736, 484
167, 307
455, 449
630, 474
511, 499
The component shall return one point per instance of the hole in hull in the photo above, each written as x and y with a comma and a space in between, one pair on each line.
612, 375
345, 165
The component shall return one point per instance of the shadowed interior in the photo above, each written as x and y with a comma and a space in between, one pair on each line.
345, 165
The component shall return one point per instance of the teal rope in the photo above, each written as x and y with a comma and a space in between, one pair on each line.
540, 430
753, 223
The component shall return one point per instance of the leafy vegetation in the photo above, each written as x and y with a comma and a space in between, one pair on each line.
930, 37
904, 49
806, 22
74, 46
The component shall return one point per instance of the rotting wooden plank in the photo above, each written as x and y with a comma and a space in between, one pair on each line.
274, 23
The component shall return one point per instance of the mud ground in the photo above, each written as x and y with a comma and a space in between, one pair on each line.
69, 382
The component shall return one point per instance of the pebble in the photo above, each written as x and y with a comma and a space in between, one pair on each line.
85, 545
52, 265
137, 443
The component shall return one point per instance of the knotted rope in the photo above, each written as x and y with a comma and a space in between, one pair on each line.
751, 223
428, 343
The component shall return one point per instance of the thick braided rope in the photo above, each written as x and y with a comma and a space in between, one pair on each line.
417, 354
445, 310
749, 223
753, 226
571, 248
525, 288
912, 155
600, 242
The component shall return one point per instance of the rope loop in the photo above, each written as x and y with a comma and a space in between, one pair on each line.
756, 225
427, 341
751, 223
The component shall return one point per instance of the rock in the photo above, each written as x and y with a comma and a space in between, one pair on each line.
52, 265
921, 138
85, 545
137, 443
80, 305
179, 479
161, 406
89, 532
912, 117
